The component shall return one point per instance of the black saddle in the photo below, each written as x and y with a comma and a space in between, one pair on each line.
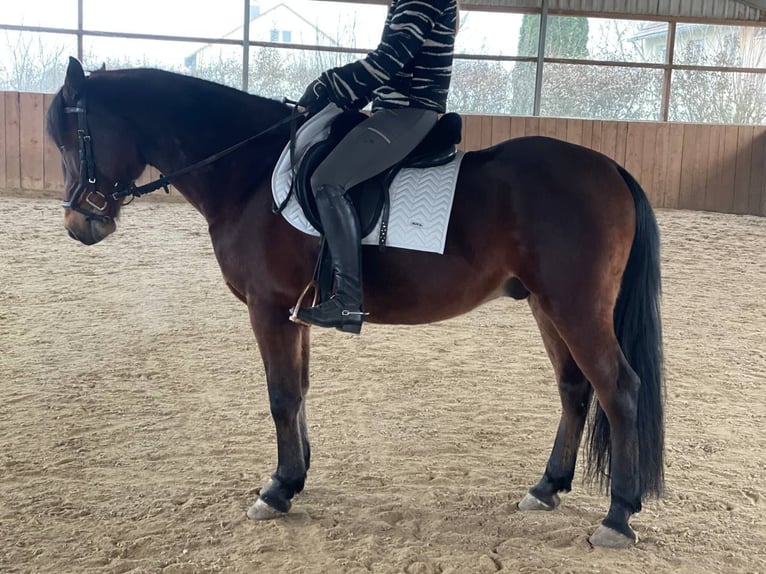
371, 197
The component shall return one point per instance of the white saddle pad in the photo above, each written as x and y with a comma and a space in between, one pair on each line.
421, 199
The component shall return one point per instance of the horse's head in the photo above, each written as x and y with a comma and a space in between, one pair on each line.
99, 153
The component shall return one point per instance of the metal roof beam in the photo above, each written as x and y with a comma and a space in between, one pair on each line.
759, 4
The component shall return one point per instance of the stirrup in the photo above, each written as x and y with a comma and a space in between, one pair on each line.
294, 311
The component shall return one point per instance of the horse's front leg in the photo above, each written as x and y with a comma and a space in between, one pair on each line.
284, 348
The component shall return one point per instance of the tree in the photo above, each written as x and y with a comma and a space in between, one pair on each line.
565, 37
37, 62
224, 67
529, 35
34, 66
722, 97
605, 92
523, 75
280, 73
481, 87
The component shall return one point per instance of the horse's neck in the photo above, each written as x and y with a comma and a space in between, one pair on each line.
222, 186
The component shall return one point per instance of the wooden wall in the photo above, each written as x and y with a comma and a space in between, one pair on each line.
30, 164
683, 166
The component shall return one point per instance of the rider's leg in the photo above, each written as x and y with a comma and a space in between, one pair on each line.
370, 148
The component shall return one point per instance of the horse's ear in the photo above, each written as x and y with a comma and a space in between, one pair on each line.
75, 78
103, 67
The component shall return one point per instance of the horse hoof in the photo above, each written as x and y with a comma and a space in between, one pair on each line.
605, 537
262, 511
530, 502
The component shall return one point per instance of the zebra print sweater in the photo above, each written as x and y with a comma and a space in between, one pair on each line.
412, 66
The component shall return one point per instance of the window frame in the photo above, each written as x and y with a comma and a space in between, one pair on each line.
669, 66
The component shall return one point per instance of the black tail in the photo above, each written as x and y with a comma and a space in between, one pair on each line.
639, 331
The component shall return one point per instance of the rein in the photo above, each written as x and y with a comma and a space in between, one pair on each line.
88, 166
164, 180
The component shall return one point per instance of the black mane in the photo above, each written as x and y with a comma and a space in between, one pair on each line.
188, 89
158, 87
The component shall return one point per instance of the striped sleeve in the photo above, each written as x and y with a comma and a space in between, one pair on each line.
408, 26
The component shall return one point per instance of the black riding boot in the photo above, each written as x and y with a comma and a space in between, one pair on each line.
341, 228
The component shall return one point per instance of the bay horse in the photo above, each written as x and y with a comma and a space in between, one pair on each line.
533, 218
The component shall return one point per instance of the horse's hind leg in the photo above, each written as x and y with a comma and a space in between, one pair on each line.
284, 349
594, 346
575, 392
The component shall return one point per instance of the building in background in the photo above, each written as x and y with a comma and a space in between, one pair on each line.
705, 44
279, 24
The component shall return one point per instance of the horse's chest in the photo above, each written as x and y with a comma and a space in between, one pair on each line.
270, 263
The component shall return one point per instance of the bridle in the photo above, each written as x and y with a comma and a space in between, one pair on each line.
87, 188
87, 182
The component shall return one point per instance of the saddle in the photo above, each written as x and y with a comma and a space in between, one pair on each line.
370, 198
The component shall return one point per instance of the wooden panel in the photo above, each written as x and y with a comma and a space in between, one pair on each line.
728, 172
649, 163
53, 177
532, 126
717, 168
574, 131
757, 173
472, 133
587, 133
486, 131
742, 177
12, 141
675, 162
699, 168
549, 127
595, 139
461, 145
518, 127
621, 142
634, 148
609, 139
689, 180
3, 182
31, 108
687, 167
501, 129
657, 174
713, 199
